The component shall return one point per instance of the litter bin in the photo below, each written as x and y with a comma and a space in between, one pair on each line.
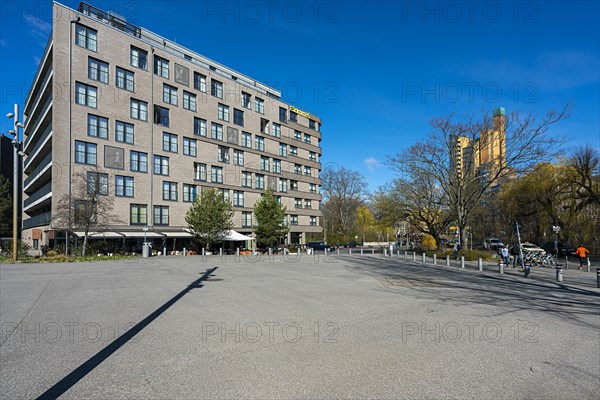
146, 250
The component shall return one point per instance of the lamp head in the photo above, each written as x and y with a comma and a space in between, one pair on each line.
20, 125
10, 115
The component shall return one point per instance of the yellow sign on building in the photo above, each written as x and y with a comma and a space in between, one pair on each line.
299, 112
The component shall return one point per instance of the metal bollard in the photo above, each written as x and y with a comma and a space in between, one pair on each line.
566, 262
350, 251
559, 274
221, 251
480, 265
184, 251
414, 256
527, 270
338, 251
361, 251
203, 252
237, 251
423, 257
372, 250
462, 261
405, 255
447, 261
384, 253
164, 251
434, 259
587, 265
500, 267
398, 253
598, 277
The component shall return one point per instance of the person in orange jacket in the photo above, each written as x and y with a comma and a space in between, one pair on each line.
582, 253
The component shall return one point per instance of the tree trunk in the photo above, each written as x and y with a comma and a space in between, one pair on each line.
83, 249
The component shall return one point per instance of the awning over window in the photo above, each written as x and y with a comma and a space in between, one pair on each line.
236, 236
230, 236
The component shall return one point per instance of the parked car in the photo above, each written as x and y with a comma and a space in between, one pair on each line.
564, 249
492, 244
527, 248
351, 244
319, 246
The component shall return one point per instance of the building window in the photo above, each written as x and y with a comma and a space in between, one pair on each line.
246, 219
313, 188
139, 58
238, 198
86, 37
308, 204
161, 67
189, 101
97, 70
293, 220
311, 124
199, 126
264, 126
285, 220
189, 147
293, 185
297, 135
259, 181
138, 110
97, 183
200, 82
161, 215
307, 171
161, 165
225, 194
200, 172
97, 126
169, 142
138, 214
259, 105
169, 191
294, 151
293, 116
170, 94
216, 88
125, 79
123, 132
276, 130
189, 193
283, 185
216, 131
161, 115
238, 158
297, 203
313, 221
238, 117
223, 154
86, 95
283, 149
282, 114
124, 186
85, 153
246, 179
36, 244
216, 174
223, 112
264, 164
259, 143
298, 169
247, 140
246, 98
138, 161
312, 156
276, 166
307, 138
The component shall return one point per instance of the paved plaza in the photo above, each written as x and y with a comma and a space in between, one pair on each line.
343, 327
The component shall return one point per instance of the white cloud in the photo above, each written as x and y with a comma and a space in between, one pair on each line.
372, 164
38, 27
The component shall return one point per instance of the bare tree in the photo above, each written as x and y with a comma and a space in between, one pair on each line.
459, 155
344, 190
584, 174
91, 205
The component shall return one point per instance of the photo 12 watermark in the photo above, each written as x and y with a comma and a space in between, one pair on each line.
269, 332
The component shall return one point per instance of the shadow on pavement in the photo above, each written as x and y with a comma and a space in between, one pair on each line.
509, 292
77, 374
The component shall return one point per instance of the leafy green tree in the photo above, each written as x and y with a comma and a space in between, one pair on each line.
269, 228
210, 217
5, 208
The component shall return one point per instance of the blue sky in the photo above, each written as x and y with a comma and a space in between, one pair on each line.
376, 72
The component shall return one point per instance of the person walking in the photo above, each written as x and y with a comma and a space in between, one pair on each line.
504, 254
456, 248
582, 253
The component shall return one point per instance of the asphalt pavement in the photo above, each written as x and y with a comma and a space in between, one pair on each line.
296, 327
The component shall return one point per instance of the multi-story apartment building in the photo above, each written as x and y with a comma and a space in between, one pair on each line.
484, 155
153, 123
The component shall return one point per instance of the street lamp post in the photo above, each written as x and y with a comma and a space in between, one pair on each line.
16, 158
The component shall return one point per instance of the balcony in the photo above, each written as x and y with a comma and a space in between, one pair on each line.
37, 172
37, 196
31, 133
47, 54
38, 220
40, 95
40, 147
